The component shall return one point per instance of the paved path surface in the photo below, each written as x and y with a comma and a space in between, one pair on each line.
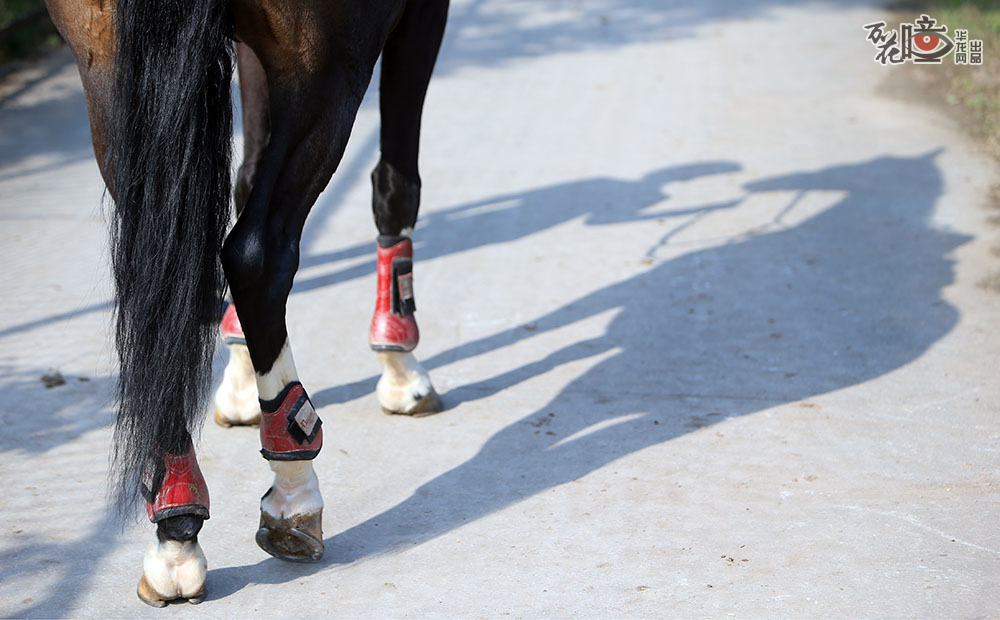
704, 304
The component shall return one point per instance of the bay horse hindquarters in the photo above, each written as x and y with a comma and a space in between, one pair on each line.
156, 76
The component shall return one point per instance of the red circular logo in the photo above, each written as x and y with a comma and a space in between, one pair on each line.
926, 42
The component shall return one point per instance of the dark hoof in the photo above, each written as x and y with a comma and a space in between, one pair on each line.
296, 539
428, 405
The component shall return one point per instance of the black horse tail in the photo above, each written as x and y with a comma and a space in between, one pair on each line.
170, 130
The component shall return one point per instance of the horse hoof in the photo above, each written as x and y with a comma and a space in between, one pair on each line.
153, 598
148, 595
227, 422
298, 538
428, 405
220, 420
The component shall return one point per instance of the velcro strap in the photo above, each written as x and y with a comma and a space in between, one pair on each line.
403, 303
303, 421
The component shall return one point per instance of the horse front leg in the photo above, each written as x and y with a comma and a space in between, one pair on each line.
407, 63
260, 259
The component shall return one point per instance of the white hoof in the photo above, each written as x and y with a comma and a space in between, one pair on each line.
236, 401
173, 570
405, 387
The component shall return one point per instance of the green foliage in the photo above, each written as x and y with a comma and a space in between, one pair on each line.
27, 39
975, 90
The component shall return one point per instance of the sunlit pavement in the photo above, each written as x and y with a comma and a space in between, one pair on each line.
709, 311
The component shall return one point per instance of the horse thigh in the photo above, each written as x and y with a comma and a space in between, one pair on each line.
256, 120
88, 28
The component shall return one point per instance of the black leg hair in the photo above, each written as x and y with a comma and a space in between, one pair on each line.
407, 62
182, 528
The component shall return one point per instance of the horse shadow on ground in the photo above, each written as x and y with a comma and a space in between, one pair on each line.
847, 295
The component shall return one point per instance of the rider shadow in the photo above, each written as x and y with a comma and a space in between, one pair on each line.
845, 296
508, 217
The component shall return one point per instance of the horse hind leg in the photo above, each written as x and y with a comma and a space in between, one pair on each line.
407, 63
174, 567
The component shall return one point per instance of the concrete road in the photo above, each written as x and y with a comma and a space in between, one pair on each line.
711, 314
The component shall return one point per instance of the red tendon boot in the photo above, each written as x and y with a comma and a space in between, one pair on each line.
393, 326
290, 429
173, 486
232, 331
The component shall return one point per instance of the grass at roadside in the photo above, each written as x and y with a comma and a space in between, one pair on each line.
970, 92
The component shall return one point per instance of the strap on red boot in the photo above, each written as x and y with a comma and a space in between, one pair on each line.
232, 331
394, 327
173, 486
290, 429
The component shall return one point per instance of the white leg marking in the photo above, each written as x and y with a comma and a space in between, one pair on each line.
295, 490
175, 569
236, 398
270, 384
403, 382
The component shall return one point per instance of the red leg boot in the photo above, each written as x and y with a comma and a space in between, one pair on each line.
173, 486
236, 397
172, 568
393, 326
232, 331
290, 429
291, 515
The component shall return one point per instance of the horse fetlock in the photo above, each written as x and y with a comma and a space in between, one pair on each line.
405, 387
295, 489
171, 570
236, 401
291, 513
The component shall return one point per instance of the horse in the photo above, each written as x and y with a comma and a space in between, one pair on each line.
157, 79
